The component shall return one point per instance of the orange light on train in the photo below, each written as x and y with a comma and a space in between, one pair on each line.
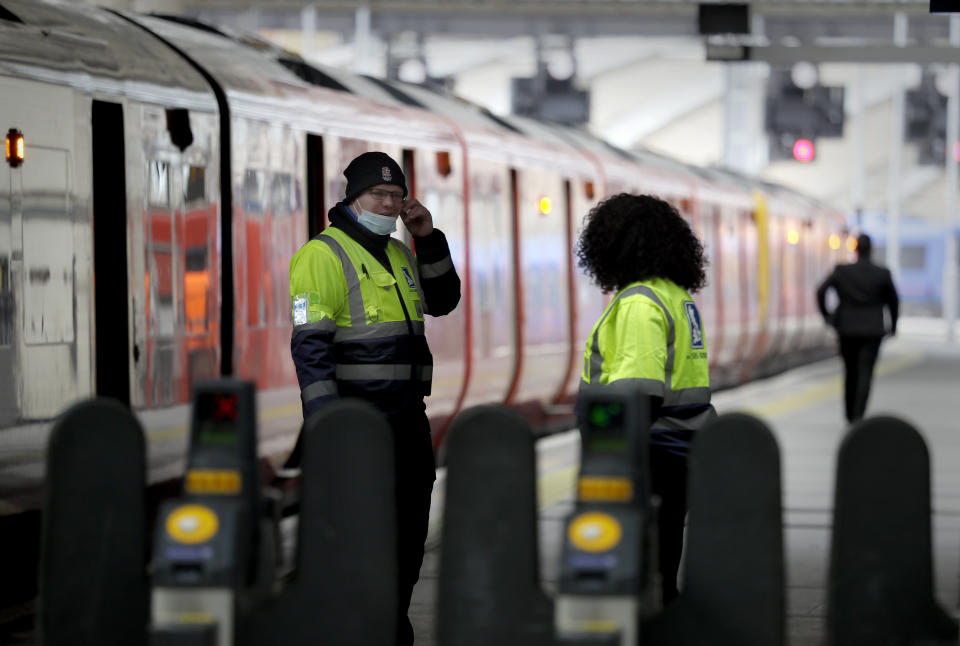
851, 243
834, 241
13, 147
793, 236
545, 205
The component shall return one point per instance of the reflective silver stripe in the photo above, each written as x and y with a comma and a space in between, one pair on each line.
695, 423
596, 359
434, 269
698, 395
318, 389
671, 338
378, 331
425, 373
358, 316
646, 386
366, 371
416, 272
323, 325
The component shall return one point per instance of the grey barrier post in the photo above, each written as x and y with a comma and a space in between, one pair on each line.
489, 590
733, 583
93, 579
881, 564
345, 591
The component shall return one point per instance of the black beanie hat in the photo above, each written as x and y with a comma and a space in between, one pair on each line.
370, 169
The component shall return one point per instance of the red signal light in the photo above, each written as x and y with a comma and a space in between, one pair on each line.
225, 407
803, 150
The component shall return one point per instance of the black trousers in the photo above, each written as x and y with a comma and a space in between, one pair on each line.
415, 473
859, 358
668, 473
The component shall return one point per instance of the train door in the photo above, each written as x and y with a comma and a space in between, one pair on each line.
8, 393
44, 360
112, 359
316, 183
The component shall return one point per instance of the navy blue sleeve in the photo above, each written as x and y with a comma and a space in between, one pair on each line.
312, 351
438, 276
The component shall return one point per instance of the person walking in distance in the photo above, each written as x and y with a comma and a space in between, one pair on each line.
863, 289
358, 298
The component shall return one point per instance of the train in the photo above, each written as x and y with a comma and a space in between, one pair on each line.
160, 173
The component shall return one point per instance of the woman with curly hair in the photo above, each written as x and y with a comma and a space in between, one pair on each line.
651, 336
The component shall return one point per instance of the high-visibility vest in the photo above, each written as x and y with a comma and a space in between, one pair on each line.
371, 317
651, 335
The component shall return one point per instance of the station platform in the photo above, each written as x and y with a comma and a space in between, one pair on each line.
917, 380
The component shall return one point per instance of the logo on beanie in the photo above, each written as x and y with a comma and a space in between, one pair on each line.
385, 172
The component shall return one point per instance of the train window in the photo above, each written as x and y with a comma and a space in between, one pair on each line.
9, 16
443, 163
253, 185
311, 74
159, 184
195, 259
913, 257
396, 92
178, 126
281, 194
194, 184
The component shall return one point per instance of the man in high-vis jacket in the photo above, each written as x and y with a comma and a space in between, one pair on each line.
359, 297
651, 335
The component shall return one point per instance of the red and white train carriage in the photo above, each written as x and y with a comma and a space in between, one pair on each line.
146, 237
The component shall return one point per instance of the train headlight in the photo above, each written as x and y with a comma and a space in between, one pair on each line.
851, 243
13, 147
834, 241
793, 236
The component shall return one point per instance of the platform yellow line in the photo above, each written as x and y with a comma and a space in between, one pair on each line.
556, 486
176, 432
832, 388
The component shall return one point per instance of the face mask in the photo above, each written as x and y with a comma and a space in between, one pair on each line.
376, 223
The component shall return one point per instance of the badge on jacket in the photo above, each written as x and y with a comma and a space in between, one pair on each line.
299, 310
406, 274
693, 320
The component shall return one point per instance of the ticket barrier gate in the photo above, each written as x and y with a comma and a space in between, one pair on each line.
214, 550
608, 570
489, 590
733, 592
214, 576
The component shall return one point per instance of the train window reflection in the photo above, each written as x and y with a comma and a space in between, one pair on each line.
194, 184
159, 183
253, 185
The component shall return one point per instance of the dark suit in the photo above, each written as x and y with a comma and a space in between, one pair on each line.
863, 289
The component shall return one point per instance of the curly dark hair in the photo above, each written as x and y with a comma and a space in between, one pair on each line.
627, 238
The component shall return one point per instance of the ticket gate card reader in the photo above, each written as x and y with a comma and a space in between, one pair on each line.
206, 545
608, 563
